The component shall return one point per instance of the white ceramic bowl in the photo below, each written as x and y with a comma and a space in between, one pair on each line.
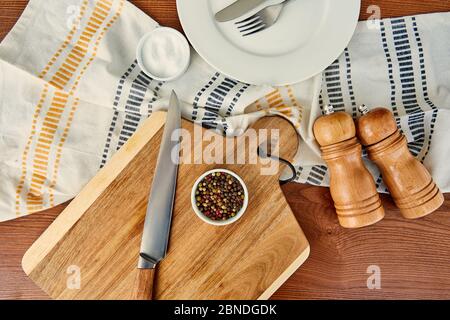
185, 56
225, 222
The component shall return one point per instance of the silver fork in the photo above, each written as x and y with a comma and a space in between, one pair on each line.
263, 19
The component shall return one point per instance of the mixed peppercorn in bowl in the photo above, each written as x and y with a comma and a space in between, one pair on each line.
219, 197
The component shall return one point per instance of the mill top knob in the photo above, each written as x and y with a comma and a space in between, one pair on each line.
375, 125
334, 127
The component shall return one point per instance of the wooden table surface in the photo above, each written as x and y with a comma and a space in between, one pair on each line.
413, 256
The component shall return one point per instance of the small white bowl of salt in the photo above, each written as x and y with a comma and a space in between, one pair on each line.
164, 54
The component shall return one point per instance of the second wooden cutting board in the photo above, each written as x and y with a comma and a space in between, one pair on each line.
96, 239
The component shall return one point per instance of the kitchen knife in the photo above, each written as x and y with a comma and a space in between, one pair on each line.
237, 9
160, 206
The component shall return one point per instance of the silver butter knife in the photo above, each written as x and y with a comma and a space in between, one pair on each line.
237, 9
160, 206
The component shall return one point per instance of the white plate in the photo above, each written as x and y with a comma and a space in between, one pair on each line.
308, 37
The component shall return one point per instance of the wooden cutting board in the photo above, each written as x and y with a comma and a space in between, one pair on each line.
97, 238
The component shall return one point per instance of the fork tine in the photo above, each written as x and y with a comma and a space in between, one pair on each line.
257, 27
262, 27
261, 20
248, 22
251, 23
253, 26
247, 19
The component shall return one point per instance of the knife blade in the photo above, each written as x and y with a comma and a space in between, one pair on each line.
162, 196
237, 9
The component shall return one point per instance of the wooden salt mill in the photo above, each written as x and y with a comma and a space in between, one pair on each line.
409, 182
352, 187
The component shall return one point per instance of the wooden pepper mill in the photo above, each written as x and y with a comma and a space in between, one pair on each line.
352, 186
409, 182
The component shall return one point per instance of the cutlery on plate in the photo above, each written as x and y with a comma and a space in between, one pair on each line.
160, 206
263, 19
237, 9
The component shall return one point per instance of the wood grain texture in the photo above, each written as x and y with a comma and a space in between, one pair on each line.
101, 230
414, 265
143, 285
352, 187
413, 255
410, 184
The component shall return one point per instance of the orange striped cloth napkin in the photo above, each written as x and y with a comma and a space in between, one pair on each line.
72, 94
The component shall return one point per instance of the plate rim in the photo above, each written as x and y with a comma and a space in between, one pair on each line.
189, 29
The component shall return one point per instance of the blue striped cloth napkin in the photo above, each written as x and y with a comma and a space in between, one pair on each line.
72, 94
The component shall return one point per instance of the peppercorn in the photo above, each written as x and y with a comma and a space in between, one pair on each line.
220, 196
